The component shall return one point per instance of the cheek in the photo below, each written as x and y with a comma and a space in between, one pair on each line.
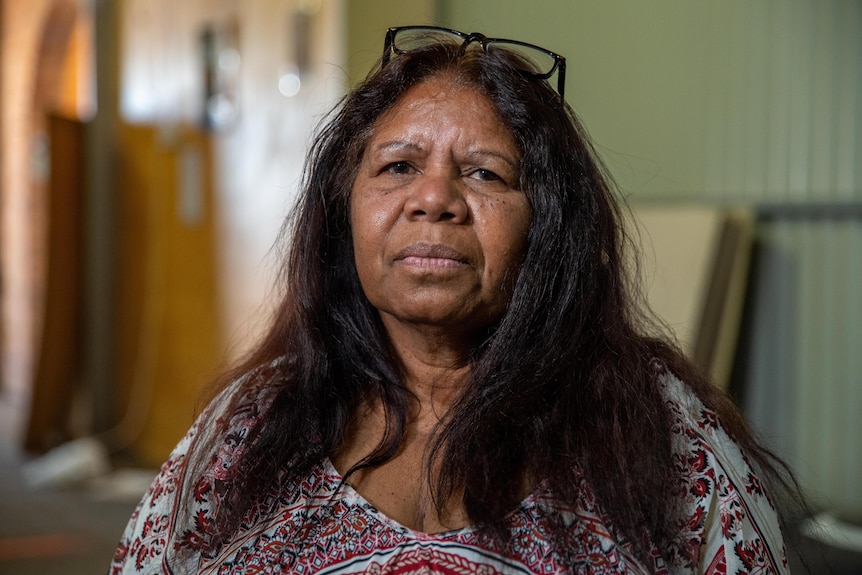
360, 237
370, 225
362, 244
360, 216
506, 238
521, 225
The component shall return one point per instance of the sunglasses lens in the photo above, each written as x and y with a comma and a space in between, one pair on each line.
536, 61
412, 39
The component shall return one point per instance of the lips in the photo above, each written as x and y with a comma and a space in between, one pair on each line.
431, 251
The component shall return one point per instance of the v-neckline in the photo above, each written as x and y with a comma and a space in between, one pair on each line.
349, 493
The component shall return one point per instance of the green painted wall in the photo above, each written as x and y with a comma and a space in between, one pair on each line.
366, 24
732, 101
723, 101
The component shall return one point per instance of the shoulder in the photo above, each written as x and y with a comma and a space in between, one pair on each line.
729, 523
224, 427
173, 513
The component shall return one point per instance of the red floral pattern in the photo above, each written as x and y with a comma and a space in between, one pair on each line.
320, 525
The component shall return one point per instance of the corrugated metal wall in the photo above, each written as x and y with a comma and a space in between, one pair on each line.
785, 110
792, 146
802, 364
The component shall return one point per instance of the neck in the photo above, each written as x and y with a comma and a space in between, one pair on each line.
434, 362
436, 369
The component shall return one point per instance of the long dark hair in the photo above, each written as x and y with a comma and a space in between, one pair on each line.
569, 379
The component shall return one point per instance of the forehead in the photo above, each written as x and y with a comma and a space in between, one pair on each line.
443, 104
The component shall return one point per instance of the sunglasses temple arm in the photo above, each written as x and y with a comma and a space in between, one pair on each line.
561, 79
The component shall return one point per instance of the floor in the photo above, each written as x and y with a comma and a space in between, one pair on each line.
54, 530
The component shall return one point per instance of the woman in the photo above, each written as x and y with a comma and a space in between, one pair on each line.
457, 378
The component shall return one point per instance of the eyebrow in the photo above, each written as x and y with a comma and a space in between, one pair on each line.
482, 152
397, 145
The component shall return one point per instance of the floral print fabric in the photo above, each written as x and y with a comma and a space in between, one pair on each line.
320, 525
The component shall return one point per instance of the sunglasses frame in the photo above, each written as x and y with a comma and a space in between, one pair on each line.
390, 47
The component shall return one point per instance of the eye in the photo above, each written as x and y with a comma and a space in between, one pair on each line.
485, 175
399, 168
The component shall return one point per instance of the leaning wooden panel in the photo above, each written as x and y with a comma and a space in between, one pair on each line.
695, 261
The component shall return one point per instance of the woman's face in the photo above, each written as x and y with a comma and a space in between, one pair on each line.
439, 224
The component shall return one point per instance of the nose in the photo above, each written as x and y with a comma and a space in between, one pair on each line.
437, 198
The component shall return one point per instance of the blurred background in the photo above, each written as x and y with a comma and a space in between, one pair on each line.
150, 149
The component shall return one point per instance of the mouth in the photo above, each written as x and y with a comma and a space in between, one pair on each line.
431, 256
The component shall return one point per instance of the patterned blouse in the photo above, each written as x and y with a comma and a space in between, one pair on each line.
320, 525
